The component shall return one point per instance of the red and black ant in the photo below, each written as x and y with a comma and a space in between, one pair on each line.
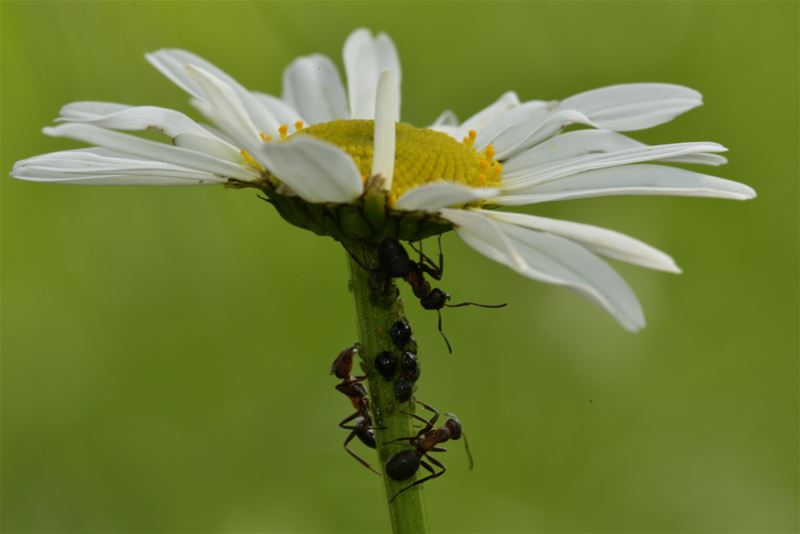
394, 262
353, 388
402, 465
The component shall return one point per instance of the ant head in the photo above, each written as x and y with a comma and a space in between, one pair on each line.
454, 426
343, 363
435, 300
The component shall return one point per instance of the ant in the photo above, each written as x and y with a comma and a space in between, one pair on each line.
394, 262
353, 388
402, 465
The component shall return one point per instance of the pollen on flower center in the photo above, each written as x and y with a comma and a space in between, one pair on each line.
421, 156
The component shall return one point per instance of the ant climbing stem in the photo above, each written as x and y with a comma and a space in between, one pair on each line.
353, 388
404, 464
394, 262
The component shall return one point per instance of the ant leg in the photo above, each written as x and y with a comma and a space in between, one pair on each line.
358, 261
426, 264
431, 409
444, 336
358, 458
434, 474
441, 255
427, 428
428, 423
343, 422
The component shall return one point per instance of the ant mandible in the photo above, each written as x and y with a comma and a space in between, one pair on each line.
394, 262
353, 388
402, 465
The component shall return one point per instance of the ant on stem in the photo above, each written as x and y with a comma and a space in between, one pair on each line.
394, 262
353, 388
403, 464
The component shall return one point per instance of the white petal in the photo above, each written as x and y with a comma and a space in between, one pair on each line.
229, 112
531, 132
436, 195
634, 106
89, 168
520, 115
384, 130
183, 130
365, 57
88, 110
127, 179
144, 148
631, 180
446, 118
599, 240
538, 175
207, 144
485, 236
174, 69
172, 63
167, 121
311, 85
556, 260
486, 116
314, 170
571, 145
282, 111
567, 146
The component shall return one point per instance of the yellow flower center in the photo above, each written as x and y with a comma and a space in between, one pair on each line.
421, 156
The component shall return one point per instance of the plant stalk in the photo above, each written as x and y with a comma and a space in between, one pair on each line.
377, 308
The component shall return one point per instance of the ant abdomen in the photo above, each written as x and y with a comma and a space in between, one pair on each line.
403, 465
393, 258
368, 438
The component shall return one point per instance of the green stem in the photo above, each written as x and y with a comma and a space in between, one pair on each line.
376, 311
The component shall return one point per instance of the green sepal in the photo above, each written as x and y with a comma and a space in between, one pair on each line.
375, 207
353, 222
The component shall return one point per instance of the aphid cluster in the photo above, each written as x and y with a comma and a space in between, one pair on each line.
386, 363
360, 422
404, 464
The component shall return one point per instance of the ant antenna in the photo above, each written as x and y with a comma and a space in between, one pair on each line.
466, 443
461, 304
447, 341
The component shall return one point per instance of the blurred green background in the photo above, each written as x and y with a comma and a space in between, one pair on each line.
165, 352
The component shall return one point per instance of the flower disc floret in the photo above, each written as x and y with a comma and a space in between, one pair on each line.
422, 155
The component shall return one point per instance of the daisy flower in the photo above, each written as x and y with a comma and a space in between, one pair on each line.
336, 160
